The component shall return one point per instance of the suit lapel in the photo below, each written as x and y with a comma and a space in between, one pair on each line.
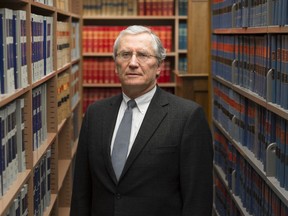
109, 120
154, 116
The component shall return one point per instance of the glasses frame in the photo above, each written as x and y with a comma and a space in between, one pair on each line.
136, 55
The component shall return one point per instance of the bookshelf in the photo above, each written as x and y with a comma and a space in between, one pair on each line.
40, 105
193, 82
101, 25
250, 112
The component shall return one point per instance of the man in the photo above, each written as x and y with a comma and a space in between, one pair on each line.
167, 169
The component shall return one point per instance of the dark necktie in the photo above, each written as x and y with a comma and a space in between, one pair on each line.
122, 138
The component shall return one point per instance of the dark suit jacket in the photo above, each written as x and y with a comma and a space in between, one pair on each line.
168, 171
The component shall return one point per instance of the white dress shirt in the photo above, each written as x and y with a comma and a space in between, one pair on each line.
138, 115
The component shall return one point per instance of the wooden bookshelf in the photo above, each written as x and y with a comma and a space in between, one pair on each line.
56, 145
252, 98
179, 18
194, 83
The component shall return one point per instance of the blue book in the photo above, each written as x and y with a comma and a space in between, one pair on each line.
24, 202
2, 52
16, 35
276, 12
45, 45
282, 152
286, 158
20, 45
1, 157
278, 69
284, 9
273, 56
48, 177
285, 72
49, 46
266, 62
9, 49
279, 12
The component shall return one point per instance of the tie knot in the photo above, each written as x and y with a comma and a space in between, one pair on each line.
131, 104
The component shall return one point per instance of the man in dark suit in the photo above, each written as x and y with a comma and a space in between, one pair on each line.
168, 168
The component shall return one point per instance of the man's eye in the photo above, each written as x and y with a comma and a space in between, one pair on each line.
142, 55
126, 54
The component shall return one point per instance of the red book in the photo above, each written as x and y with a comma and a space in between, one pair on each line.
89, 75
141, 7
90, 39
84, 70
84, 38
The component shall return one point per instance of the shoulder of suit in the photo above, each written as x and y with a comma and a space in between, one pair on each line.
106, 102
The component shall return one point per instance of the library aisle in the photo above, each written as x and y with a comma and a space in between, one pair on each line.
249, 47
40, 104
230, 56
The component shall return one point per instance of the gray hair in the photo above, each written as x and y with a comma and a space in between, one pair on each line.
160, 51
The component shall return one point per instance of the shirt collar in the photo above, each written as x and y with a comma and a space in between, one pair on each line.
143, 101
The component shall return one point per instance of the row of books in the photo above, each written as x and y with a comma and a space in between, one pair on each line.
112, 7
100, 39
182, 35
182, 64
46, 2
183, 7
128, 7
99, 70
249, 13
63, 96
254, 127
102, 70
13, 59
12, 148
255, 194
156, 7
75, 125
39, 115
75, 41
63, 43
255, 62
19, 206
63, 5
91, 95
75, 85
224, 204
42, 46
13, 51
41, 184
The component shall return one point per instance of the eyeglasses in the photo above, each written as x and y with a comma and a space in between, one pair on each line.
141, 56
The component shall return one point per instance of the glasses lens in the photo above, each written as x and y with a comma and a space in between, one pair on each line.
126, 55
141, 57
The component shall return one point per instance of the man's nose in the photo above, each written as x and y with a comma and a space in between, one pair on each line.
134, 60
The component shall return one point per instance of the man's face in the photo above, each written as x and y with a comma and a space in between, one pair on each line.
136, 64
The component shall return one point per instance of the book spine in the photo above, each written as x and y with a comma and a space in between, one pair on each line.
22, 50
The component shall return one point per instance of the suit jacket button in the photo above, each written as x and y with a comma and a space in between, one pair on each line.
118, 196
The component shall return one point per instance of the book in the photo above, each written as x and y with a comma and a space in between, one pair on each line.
75, 44
63, 43
75, 85
24, 200
48, 178
37, 30
20, 134
47, 44
21, 48
39, 115
8, 69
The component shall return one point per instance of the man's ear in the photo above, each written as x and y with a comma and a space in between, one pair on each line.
159, 69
